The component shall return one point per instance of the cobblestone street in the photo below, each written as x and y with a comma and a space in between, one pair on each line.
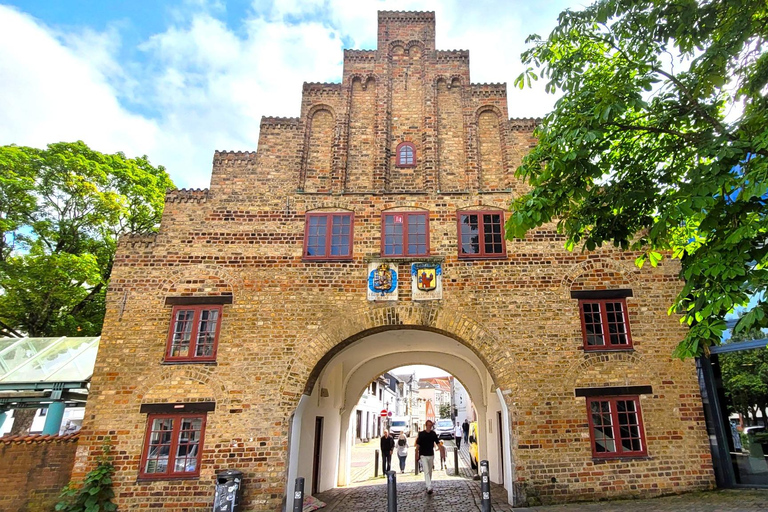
462, 494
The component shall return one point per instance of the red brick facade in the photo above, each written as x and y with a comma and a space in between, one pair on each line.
244, 237
34, 471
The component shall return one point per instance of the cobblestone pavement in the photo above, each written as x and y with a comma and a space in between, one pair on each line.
461, 495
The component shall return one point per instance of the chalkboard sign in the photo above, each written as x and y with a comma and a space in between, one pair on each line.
224, 499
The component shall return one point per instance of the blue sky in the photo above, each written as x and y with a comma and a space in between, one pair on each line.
178, 79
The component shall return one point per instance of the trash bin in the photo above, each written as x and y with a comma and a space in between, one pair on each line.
229, 490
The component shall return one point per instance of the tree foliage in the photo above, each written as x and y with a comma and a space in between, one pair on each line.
745, 377
659, 144
62, 210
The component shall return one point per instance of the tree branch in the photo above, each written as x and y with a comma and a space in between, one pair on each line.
9, 331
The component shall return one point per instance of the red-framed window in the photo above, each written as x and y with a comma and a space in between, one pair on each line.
405, 234
605, 324
172, 446
616, 427
194, 333
328, 236
406, 155
481, 235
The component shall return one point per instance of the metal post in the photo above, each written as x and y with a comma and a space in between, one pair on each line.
376, 464
416, 468
53, 418
391, 491
298, 495
456, 460
485, 487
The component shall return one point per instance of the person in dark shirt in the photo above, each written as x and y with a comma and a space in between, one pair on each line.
387, 447
465, 428
425, 451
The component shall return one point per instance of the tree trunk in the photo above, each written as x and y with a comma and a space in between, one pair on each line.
22, 421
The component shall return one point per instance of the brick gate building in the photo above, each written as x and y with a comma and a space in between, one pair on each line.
364, 235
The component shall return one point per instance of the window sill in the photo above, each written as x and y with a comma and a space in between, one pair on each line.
626, 458
480, 258
175, 363
604, 350
327, 260
403, 259
149, 479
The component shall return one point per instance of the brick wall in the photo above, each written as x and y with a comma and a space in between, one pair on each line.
34, 471
244, 237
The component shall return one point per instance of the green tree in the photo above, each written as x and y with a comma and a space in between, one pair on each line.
658, 144
62, 210
445, 410
745, 377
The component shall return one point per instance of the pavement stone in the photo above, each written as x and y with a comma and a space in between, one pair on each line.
461, 493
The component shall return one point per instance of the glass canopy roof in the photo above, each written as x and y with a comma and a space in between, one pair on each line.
31, 360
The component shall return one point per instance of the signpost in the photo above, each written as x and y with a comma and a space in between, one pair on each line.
383, 413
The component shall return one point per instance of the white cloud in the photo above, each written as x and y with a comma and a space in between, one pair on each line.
49, 93
202, 85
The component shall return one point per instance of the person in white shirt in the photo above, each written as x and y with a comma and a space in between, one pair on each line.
457, 433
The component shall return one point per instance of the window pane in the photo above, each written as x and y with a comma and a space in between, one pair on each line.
182, 333
492, 232
393, 234
406, 156
316, 235
417, 234
602, 429
340, 235
188, 446
616, 325
629, 430
206, 334
159, 446
592, 324
469, 232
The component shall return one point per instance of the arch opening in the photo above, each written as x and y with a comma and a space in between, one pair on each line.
335, 385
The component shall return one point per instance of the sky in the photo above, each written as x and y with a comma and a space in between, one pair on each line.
177, 79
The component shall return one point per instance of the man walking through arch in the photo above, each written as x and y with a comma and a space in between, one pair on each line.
425, 451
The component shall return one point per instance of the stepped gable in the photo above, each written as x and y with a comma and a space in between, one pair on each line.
274, 122
137, 241
452, 55
428, 16
317, 88
489, 90
188, 195
40, 438
524, 124
360, 55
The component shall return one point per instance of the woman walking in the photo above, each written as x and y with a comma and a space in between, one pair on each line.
402, 450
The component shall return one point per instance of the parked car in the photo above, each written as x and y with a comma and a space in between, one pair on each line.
399, 424
444, 429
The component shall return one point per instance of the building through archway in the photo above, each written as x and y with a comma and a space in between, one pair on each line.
335, 394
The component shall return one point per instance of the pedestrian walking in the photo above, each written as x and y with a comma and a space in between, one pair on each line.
465, 429
387, 447
441, 447
457, 433
402, 450
425, 452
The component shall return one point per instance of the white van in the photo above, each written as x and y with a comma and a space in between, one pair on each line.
400, 424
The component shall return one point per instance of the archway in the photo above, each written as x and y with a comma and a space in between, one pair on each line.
338, 384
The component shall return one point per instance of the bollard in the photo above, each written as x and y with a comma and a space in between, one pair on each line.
416, 468
391, 491
456, 461
485, 487
376, 465
298, 495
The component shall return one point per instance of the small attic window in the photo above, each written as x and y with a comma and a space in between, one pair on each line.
406, 155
